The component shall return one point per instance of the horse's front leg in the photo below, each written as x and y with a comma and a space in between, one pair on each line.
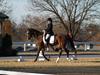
44, 55
37, 54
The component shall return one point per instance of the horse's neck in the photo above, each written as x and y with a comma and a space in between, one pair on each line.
44, 32
44, 36
36, 36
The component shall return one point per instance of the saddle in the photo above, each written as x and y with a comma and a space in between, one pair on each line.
51, 39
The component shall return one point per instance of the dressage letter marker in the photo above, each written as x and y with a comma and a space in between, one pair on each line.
20, 59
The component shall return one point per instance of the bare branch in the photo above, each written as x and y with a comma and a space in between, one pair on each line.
74, 12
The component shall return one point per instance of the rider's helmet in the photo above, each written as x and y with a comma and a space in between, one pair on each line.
49, 19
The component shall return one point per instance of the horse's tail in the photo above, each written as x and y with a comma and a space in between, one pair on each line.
60, 41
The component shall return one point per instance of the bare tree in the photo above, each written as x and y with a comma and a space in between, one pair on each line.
34, 22
4, 7
74, 12
89, 33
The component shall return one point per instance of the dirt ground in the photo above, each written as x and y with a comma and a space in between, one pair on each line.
82, 66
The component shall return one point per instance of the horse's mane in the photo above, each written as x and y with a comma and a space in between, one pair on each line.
34, 32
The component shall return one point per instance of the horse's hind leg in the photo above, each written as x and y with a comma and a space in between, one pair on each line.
44, 55
67, 52
59, 56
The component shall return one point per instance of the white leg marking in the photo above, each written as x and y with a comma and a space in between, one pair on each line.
57, 60
68, 59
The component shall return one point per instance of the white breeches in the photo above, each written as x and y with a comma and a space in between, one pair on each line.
47, 36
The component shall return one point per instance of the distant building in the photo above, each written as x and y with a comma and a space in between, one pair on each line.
5, 24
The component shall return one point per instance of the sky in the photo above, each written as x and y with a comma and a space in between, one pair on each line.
20, 9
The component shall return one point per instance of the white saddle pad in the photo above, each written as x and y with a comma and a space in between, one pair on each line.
51, 40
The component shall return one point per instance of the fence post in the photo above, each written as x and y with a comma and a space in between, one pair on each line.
85, 47
24, 46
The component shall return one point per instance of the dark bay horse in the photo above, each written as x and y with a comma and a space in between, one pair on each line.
61, 43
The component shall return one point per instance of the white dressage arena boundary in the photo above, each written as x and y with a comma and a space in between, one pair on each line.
2, 72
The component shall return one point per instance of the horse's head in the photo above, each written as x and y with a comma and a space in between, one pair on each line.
33, 33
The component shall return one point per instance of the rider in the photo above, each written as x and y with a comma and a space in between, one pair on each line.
49, 30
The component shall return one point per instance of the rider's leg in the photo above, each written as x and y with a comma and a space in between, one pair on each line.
47, 41
47, 38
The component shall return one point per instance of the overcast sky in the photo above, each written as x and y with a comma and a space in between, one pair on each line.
20, 9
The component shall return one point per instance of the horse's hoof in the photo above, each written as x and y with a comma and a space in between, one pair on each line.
68, 59
34, 60
57, 61
71, 58
48, 60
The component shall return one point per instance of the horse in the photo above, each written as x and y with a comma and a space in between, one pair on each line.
60, 43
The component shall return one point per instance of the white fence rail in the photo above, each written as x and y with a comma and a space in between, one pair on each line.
88, 45
24, 45
79, 45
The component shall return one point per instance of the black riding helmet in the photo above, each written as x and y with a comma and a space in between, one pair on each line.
49, 19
